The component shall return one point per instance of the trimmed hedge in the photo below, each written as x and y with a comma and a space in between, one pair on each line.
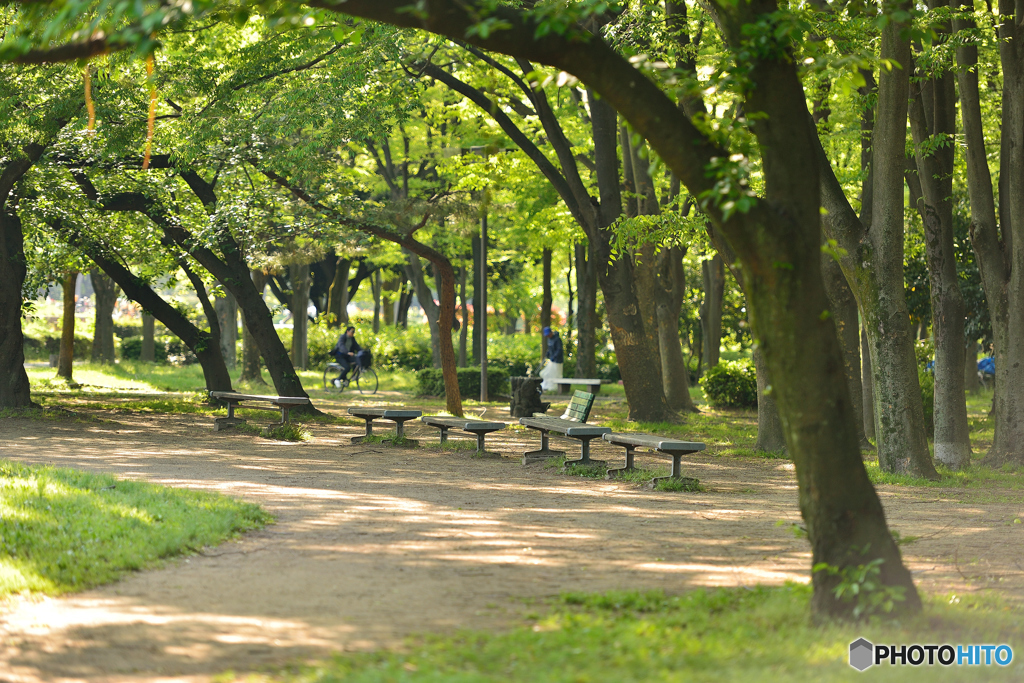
431, 382
731, 384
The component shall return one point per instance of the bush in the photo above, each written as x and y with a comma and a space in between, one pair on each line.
430, 382
731, 384
131, 349
514, 353
392, 347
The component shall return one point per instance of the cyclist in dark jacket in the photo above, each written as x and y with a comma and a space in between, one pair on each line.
344, 353
555, 353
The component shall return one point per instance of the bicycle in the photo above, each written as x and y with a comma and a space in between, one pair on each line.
364, 379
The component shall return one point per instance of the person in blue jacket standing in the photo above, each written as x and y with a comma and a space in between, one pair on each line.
555, 358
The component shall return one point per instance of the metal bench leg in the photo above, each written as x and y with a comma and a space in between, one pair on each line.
480, 442
444, 435
284, 414
677, 473
543, 453
400, 433
584, 454
630, 453
220, 423
369, 431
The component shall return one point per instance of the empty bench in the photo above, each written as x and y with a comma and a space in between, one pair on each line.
479, 428
397, 415
659, 444
592, 385
233, 400
572, 424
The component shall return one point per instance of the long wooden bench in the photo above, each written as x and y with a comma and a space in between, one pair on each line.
234, 400
571, 424
397, 415
659, 444
592, 385
479, 428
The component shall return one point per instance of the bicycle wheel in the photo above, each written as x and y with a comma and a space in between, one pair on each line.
329, 373
366, 382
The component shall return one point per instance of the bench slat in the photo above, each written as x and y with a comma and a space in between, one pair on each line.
464, 424
566, 427
232, 396
652, 441
385, 413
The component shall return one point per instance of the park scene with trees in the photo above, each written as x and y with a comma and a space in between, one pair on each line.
568, 341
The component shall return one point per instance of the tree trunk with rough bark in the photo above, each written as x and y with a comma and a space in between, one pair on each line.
337, 299
67, 329
845, 314
545, 302
933, 116
999, 247
103, 333
713, 271
14, 384
148, 353
251, 372
867, 387
299, 275
770, 436
971, 383
227, 318
586, 318
669, 293
464, 328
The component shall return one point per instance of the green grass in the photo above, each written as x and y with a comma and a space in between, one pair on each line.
390, 440
64, 530
715, 635
288, 432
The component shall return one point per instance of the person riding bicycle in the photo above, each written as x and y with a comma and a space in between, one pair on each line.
344, 353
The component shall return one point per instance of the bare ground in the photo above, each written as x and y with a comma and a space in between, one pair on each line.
373, 543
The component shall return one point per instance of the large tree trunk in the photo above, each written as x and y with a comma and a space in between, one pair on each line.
899, 412
867, 387
933, 115
14, 384
251, 372
999, 253
545, 302
377, 286
148, 353
669, 293
844, 312
713, 271
971, 383
227, 319
67, 329
337, 300
103, 334
586, 317
299, 275
770, 436
464, 328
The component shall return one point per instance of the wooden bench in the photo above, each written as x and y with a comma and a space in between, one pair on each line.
398, 415
233, 400
571, 424
659, 444
591, 385
480, 428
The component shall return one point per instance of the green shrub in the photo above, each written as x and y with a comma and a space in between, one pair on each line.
430, 382
392, 347
131, 349
731, 384
514, 353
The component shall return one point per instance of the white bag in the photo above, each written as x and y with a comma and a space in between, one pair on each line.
550, 373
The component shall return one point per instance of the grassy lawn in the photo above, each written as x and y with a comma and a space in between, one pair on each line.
63, 530
738, 634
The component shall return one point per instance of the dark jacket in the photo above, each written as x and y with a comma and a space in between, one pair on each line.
555, 353
345, 346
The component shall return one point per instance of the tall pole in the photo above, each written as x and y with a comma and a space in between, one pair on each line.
483, 306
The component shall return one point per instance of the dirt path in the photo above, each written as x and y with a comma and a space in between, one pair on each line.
372, 544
